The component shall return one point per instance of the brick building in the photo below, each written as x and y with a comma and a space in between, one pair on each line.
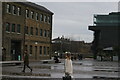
26, 26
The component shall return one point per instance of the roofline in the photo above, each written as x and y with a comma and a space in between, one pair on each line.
42, 8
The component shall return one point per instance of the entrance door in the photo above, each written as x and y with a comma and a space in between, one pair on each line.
16, 50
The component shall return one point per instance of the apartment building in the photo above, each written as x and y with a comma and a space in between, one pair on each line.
26, 26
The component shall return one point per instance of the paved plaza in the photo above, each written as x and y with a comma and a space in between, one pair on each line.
84, 69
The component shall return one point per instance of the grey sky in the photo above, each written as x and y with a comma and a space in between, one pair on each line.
72, 19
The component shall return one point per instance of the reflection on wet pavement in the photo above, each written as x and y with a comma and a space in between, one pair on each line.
82, 69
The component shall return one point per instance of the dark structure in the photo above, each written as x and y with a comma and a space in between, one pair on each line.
106, 33
26, 26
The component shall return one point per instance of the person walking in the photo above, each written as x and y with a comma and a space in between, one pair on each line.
68, 68
26, 61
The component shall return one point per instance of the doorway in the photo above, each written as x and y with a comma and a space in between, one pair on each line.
15, 50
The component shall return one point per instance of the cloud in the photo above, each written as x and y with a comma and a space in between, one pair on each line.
73, 18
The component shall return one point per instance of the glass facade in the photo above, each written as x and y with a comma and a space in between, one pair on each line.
107, 20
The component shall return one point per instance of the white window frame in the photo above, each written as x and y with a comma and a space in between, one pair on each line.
8, 7
41, 17
49, 20
37, 17
13, 10
45, 17
27, 13
19, 10
32, 15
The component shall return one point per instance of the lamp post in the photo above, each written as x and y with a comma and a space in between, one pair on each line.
36, 50
36, 43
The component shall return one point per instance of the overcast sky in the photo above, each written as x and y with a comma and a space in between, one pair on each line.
72, 19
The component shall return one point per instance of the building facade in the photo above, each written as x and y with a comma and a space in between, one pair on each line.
26, 26
106, 32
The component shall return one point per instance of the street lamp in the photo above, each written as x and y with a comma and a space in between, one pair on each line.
36, 43
36, 50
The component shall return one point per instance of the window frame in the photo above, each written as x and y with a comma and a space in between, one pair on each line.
13, 28
40, 49
49, 20
18, 28
45, 18
36, 31
19, 11
7, 27
27, 13
41, 17
41, 32
37, 16
32, 14
31, 51
26, 30
14, 10
8, 8
31, 30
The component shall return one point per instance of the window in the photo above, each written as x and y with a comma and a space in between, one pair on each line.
48, 19
31, 31
27, 13
45, 18
40, 50
26, 47
30, 49
44, 50
48, 50
41, 32
48, 33
19, 11
14, 9
8, 8
37, 16
13, 27
36, 31
8, 27
32, 15
41, 17
36, 52
45, 33
18, 28
26, 29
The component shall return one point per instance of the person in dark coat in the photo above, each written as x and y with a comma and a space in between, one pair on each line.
3, 54
26, 61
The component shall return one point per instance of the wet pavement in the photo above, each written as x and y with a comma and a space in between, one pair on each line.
87, 68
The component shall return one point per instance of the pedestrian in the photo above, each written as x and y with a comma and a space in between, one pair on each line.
68, 67
3, 54
26, 61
